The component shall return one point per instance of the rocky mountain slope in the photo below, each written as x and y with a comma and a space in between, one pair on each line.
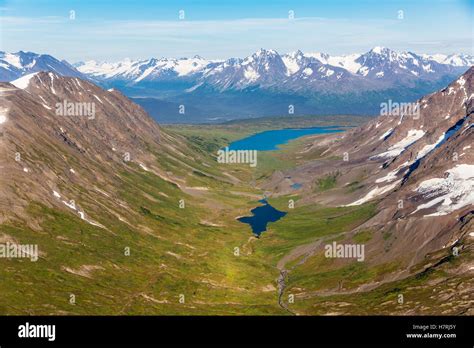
124, 214
418, 170
131, 218
76, 144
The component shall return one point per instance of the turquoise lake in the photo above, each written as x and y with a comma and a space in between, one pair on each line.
270, 140
267, 141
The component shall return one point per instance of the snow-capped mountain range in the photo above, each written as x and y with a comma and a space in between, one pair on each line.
265, 68
16, 65
268, 67
139, 70
262, 84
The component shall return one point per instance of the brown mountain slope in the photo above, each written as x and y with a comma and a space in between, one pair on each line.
49, 155
125, 214
417, 168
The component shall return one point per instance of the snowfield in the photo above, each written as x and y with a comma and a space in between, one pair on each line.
291, 64
428, 148
451, 193
138, 70
377, 191
24, 81
396, 149
393, 174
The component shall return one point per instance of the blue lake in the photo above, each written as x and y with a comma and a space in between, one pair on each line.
270, 140
262, 215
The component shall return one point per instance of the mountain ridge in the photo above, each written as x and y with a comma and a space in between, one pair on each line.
262, 67
72, 191
418, 169
262, 84
292, 63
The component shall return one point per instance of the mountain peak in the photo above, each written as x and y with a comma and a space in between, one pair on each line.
380, 50
296, 54
21, 63
265, 52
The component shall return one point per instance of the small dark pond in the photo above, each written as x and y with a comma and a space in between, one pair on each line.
262, 215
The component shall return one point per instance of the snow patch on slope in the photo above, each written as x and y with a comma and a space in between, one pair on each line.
452, 193
23, 81
250, 74
386, 134
393, 174
377, 191
12, 59
3, 115
396, 149
428, 148
291, 65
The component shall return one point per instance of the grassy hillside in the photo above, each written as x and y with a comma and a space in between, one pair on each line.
163, 258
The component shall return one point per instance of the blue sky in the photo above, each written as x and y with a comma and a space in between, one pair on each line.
112, 30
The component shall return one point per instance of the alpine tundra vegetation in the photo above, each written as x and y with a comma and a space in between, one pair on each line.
285, 158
